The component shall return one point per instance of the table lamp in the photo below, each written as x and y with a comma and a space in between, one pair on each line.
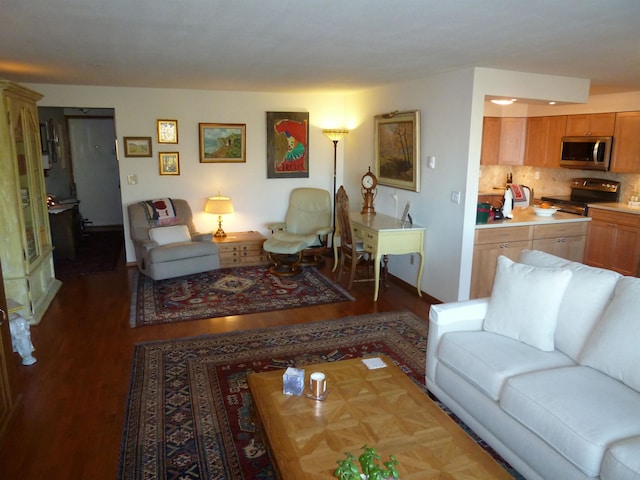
219, 206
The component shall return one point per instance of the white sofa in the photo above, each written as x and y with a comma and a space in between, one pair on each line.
547, 370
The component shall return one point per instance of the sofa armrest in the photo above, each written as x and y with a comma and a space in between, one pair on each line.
452, 317
146, 245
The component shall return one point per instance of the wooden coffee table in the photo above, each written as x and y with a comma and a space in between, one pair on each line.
382, 408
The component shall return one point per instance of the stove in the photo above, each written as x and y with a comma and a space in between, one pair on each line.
585, 191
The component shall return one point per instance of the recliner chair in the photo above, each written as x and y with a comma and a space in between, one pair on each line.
166, 242
302, 238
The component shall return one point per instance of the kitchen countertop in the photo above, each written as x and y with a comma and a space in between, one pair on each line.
616, 207
525, 216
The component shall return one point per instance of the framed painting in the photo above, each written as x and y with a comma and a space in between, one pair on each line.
167, 131
222, 142
137, 146
397, 149
287, 144
169, 163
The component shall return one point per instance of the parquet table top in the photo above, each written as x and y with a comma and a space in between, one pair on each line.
382, 408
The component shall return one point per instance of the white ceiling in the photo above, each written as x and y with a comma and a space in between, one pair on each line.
296, 45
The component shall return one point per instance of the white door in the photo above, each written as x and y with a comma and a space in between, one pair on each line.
95, 170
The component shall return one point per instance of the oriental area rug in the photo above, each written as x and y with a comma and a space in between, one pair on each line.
189, 410
228, 291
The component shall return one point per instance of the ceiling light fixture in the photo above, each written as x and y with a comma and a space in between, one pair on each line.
503, 101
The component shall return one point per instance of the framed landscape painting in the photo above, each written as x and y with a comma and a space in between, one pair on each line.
137, 146
222, 142
287, 144
397, 149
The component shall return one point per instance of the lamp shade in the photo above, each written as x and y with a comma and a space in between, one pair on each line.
219, 205
335, 135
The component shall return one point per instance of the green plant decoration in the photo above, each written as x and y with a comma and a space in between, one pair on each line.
370, 467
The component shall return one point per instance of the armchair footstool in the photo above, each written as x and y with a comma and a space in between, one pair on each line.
285, 255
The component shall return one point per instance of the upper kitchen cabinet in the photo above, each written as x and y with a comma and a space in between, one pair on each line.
503, 140
626, 143
596, 124
543, 141
25, 239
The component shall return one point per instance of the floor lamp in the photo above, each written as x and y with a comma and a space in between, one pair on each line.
335, 136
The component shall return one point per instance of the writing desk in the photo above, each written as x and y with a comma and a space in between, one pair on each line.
384, 235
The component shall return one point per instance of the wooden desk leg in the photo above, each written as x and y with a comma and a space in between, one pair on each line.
376, 276
420, 274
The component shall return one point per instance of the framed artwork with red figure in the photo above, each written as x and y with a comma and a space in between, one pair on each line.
287, 144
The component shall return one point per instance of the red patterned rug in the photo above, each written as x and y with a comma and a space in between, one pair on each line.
189, 408
228, 291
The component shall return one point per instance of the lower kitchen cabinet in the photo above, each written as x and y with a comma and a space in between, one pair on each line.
566, 240
613, 241
489, 244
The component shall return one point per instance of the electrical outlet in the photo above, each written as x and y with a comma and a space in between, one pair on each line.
537, 175
455, 197
132, 179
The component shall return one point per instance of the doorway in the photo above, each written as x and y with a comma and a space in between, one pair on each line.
85, 166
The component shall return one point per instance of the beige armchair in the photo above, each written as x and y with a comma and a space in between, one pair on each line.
166, 242
301, 240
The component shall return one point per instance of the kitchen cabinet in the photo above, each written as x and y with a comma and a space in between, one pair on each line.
490, 141
503, 140
26, 252
596, 124
625, 157
544, 140
488, 245
566, 240
613, 241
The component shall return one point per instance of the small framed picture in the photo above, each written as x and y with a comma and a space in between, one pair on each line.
137, 146
222, 142
169, 163
167, 131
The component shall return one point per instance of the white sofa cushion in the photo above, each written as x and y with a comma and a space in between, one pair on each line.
488, 359
168, 235
577, 410
586, 297
613, 347
525, 301
622, 461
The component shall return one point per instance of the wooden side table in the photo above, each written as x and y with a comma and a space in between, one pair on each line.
241, 249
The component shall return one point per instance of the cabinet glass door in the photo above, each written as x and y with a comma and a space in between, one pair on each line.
29, 170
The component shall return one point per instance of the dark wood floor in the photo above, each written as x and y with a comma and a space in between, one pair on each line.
68, 424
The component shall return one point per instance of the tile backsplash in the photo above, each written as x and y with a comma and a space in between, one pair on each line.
552, 181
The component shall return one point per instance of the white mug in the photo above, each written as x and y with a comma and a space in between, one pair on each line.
317, 384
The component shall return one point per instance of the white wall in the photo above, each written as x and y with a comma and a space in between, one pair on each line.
257, 201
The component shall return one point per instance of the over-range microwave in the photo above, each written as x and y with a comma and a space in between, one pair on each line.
586, 153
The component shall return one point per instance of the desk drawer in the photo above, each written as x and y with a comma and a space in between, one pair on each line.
369, 237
